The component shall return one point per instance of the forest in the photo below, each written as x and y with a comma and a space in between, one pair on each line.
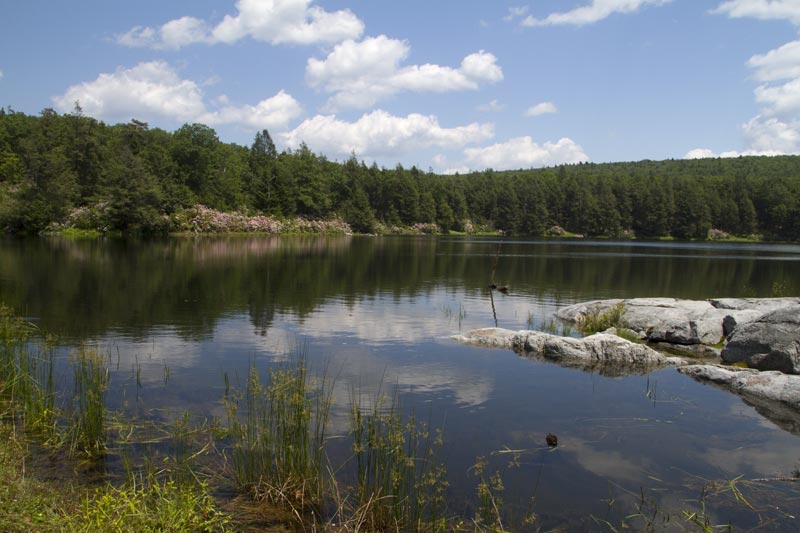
131, 178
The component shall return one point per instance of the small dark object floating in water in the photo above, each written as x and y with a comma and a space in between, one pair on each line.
502, 289
552, 440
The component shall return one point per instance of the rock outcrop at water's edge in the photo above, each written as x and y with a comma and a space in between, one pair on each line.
600, 353
775, 395
771, 342
682, 322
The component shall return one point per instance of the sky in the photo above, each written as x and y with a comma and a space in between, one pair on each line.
447, 85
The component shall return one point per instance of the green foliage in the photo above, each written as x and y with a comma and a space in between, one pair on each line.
278, 433
91, 376
150, 506
598, 319
400, 485
134, 177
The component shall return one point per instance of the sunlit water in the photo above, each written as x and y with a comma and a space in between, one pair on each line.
177, 315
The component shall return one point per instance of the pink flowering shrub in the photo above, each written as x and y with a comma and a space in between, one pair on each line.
201, 219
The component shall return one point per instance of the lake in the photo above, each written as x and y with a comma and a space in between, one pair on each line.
178, 315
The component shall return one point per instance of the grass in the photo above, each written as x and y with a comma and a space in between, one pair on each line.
597, 320
400, 484
276, 438
152, 505
278, 433
91, 376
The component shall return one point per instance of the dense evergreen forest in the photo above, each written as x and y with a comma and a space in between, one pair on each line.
132, 178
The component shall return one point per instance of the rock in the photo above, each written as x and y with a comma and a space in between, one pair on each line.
600, 353
774, 395
762, 305
489, 337
771, 342
681, 322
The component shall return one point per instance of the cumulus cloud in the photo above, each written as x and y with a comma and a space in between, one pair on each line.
523, 152
362, 73
379, 133
492, 106
594, 12
776, 128
543, 108
153, 90
779, 64
761, 9
1, 74
272, 21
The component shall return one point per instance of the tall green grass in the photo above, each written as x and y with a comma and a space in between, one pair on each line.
26, 374
278, 434
91, 378
598, 320
400, 484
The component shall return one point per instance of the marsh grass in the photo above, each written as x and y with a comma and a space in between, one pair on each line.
597, 320
400, 481
26, 374
91, 380
149, 505
278, 435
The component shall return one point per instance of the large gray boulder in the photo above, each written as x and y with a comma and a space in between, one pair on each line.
600, 353
771, 342
681, 322
774, 395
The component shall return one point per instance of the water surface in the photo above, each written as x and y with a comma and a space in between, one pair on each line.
178, 314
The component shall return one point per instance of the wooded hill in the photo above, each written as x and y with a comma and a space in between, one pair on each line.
127, 177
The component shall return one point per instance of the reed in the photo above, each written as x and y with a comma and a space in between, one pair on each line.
278, 433
400, 484
91, 378
26, 374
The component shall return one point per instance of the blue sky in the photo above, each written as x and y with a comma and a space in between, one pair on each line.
445, 84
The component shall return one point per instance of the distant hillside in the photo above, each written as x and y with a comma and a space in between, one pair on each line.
130, 178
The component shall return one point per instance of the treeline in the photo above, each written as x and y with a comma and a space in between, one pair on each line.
131, 178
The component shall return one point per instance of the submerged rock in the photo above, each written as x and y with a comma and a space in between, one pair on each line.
599, 353
774, 395
771, 342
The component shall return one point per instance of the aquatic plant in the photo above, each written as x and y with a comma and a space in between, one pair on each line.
278, 433
597, 319
91, 378
149, 505
400, 484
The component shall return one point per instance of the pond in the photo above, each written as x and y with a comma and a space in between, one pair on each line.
180, 315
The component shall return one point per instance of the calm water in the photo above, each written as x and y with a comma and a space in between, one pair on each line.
182, 312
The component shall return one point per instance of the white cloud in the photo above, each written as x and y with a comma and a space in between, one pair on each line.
594, 12
761, 9
704, 153
522, 152
275, 112
541, 109
1, 74
514, 12
456, 170
154, 90
772, 136
362, 73
779, 64
780, 100
700, 153
492, 106
273, 21
378, 134
776, 128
